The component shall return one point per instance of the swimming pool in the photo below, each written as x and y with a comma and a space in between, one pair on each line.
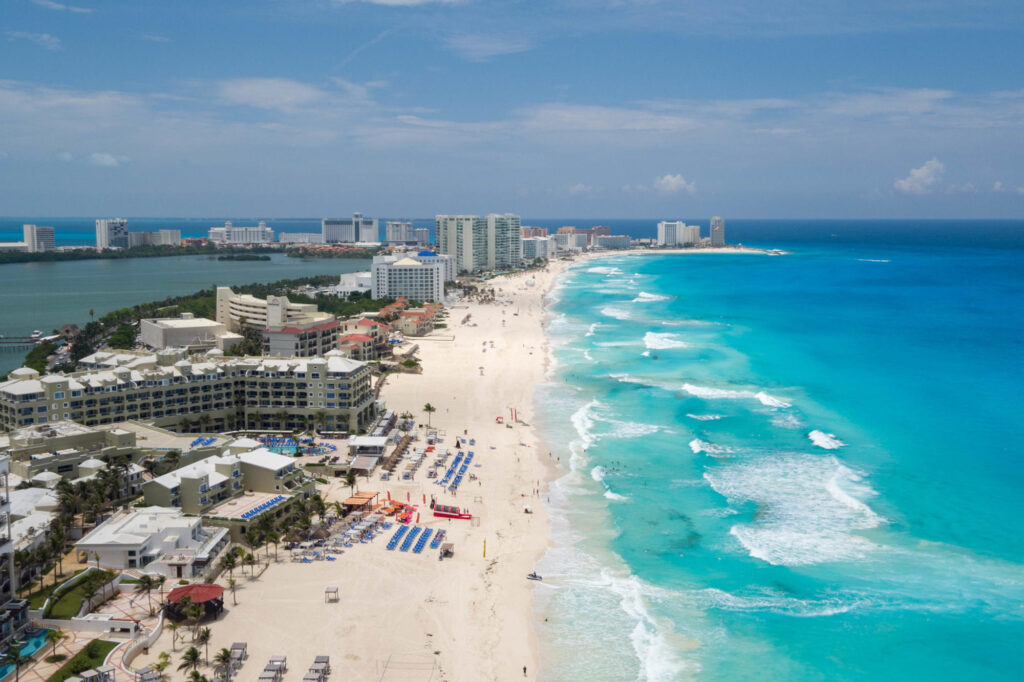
34, 641
282, 449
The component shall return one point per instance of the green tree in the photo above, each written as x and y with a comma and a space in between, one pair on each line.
204, 640
233, 584
145, 586
228, 563
222, 659
429, 409
17, 659
190, 659
173, 627
53, 636
350, 480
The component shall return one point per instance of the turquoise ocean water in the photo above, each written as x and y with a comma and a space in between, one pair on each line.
802, 467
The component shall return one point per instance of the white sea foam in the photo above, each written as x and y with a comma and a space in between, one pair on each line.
598, 473
711, 393
705, 417
593, 328
615, 497
769, 601
698, 446
632, 429
617, 313
787, 421
873, 260
586, 354
808, 509
824, 440
604, 270
659, 341
646, 354
644, 297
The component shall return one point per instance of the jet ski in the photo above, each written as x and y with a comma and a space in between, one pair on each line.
533, 576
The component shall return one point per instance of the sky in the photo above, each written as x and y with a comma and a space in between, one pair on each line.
562, 108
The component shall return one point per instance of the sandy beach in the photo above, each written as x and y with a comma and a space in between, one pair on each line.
405, 616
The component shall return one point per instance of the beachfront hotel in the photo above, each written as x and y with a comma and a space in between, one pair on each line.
419, 279
480, 243
241, 234
160, 539
171, 388
13, 611
356, 229
112, 233
235, 311
717, 231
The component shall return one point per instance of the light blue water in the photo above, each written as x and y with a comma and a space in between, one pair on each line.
703, 533
35, 641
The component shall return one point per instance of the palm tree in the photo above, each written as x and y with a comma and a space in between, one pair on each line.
317, 505
88, 591
53, 636
232, 583
350, 479
204, 640
204, 420
320, 419
252, 538
15, 658
195, 612
190, 659
282, 417
159, 582
173, 627
273, 537
339, 508
429, 409
228, 563
196, 676
223, 660
145, 586
250, 561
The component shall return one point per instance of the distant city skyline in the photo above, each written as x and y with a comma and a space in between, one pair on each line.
614, 109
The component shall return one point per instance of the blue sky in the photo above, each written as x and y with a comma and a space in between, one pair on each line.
564, 108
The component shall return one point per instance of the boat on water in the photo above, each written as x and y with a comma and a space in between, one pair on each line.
35, 334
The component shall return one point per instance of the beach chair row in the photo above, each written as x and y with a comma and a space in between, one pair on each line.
202, 442
410, 538
438, 539
393, 542
266, 505
451, 470
422, 542
462, 471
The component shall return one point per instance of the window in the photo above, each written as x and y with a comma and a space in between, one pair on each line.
59, 395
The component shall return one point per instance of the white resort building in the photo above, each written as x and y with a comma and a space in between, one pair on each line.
157, 540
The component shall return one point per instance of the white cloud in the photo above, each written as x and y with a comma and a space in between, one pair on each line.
478, 47
580, 188
921, 179
673, 184
65, 156
49, 4
269, 93
1020, 190
41, 39
966, 188
104, 159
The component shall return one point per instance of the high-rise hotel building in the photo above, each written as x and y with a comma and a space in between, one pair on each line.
112, 233
480, 243
717, 231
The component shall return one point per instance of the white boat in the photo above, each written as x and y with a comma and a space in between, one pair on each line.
36, 334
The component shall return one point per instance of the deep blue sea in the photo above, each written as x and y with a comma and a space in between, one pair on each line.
797, 467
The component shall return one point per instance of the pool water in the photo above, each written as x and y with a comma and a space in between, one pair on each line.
34, 641
282, 449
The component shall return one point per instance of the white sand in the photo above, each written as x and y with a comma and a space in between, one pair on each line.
469, 616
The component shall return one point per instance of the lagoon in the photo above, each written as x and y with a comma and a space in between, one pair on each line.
45, 296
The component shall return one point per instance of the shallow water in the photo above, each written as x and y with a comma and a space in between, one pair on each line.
798, 467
